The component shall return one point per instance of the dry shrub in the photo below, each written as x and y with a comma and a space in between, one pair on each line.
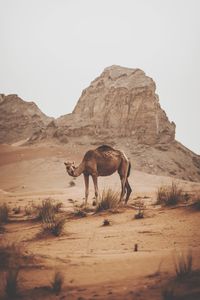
47, 210
183, 265
53, 225
80, 212
168, 293
57, 282
140, 209
16, 210
106, 222
29, 210
12, 258
72, 183
108, 200
169, 195
196, 201
4, 210
11, 286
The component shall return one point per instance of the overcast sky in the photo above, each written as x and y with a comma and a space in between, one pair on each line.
50, 50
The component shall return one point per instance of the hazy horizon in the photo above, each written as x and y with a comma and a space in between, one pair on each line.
51, 50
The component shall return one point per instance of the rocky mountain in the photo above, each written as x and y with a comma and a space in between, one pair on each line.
19, 119
119, 108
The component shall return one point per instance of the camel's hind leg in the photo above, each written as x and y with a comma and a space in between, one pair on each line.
86, 178
128, 190
124, 172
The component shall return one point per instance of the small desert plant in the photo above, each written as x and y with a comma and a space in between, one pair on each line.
4, 210
168, 293
80, 212
169, 195
11, 287
16, 210
72, 183
11, 255
12, 258
47, 209
57, 282
106, 222
53, 225
140, 210
29, 210
196, 201
108, 200
183, 265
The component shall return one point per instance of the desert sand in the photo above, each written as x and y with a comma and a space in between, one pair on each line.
98, 262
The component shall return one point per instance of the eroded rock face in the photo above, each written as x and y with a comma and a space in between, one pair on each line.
19, 119
122, 102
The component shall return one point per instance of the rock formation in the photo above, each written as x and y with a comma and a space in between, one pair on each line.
19, 119
122, 102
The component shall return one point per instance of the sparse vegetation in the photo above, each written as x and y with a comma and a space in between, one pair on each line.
57, 282
106, 222
53, 225
168, 293
108, 200
4, 210
12, 258
11, 287
29, 210
16, 210
196, 201
183, 265
169, 195
80, 212
47, 210
140, 209
72, 183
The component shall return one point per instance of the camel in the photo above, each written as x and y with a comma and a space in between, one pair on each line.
102, 161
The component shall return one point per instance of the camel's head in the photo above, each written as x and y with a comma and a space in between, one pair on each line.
70, 167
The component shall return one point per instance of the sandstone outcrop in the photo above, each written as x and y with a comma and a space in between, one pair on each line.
19, 119
122, 102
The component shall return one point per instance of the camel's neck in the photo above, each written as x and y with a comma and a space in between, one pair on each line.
79, 170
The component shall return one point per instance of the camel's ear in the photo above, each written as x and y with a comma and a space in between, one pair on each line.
65, 163
73, 163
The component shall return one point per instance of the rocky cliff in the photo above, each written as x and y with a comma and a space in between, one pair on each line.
122, 102
19, 119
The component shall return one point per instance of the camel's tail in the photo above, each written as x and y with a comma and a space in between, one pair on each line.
129, 169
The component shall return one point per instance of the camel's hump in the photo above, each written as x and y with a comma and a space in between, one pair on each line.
104, 148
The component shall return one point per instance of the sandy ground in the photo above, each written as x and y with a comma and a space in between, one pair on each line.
97, 262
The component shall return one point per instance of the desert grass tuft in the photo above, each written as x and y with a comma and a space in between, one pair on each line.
53, 225
4, 211
106, 222
16, 210
47, 209
183, 265
80, 212
108, 200
169, 195
72, 183
57, 282
11, 279
140, 209
196, 201
168, 293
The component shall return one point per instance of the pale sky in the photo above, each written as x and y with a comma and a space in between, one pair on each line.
50, 50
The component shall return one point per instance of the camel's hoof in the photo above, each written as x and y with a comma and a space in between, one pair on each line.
94, 203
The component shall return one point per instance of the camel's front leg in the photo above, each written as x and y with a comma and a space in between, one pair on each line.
86, 178
94, 178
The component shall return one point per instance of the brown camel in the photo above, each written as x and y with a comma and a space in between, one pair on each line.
103, 161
